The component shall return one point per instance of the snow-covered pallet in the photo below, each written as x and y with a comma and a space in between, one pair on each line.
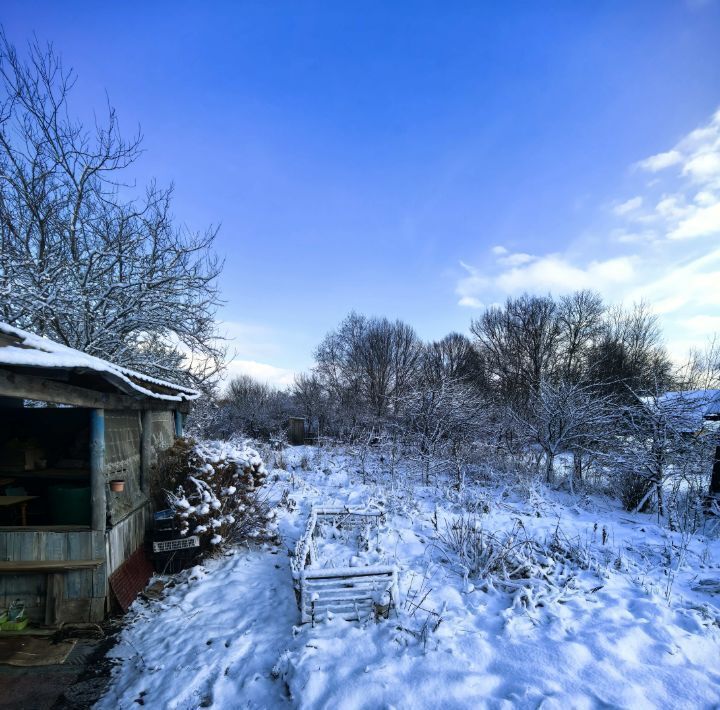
351, 592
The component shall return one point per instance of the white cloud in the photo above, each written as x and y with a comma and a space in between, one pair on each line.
470, 285
471, 302
550, 273
630, 205
623, 236
706, 198
517, 259
702, 222
671, 207
278, 376
703, 166
559, 275
660, 161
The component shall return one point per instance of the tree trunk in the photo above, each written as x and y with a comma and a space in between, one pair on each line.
549, 467
577, 466
659, 494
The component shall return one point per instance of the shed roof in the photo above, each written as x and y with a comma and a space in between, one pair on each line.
713, 408
25, 352
690, 407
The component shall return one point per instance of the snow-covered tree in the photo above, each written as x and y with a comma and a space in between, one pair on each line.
82, 260
566, 417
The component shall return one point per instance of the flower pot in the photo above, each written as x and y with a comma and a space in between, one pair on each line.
117, 486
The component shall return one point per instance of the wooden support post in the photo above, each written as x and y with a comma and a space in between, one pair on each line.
178, 423
145, 450
97, 469
54, 594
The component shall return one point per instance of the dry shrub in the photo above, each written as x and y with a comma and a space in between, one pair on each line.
508, 557
171, 470
215, 489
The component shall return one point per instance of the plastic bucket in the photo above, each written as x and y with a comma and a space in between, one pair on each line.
69, 505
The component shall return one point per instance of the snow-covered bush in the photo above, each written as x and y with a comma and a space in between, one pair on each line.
217, 493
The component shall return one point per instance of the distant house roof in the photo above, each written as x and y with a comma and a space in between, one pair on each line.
713, 408
25, 353
691, 407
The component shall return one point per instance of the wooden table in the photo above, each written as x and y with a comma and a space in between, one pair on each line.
22, 501
49, 473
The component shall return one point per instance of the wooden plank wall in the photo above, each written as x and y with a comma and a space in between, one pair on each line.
84, 591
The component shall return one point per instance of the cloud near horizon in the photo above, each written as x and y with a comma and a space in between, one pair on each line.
661, 244
251, 346
261, 371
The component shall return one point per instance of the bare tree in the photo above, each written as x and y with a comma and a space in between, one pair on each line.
253, 408
629, 356
444, 417
519, 343
664, 437
580, 321
455, 357
312, 400
368, 364
81, 261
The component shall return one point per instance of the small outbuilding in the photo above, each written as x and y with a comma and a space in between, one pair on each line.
78, 439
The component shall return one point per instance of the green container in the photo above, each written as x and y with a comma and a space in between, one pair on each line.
15, 625
69, 504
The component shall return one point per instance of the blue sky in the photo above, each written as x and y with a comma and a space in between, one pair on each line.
419, 160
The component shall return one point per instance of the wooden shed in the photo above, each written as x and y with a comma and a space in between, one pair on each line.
69, 424
297, 430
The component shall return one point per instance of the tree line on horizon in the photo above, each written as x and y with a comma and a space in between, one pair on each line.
539, 380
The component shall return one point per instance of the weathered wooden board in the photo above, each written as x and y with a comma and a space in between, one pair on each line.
85, 547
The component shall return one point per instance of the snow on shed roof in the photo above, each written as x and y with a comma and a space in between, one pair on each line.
22, 349
690, 407
713, 408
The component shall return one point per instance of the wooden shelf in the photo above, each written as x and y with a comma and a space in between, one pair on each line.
15, 566
44, 528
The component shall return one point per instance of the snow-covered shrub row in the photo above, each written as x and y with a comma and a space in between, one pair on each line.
218, 494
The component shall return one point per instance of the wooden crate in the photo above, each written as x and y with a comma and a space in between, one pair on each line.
354, 593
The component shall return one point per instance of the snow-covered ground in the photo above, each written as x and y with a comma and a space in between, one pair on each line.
583, 606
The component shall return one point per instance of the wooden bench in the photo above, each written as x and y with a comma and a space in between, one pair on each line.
54, 569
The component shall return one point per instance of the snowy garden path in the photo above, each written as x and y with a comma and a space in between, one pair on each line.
213, 641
